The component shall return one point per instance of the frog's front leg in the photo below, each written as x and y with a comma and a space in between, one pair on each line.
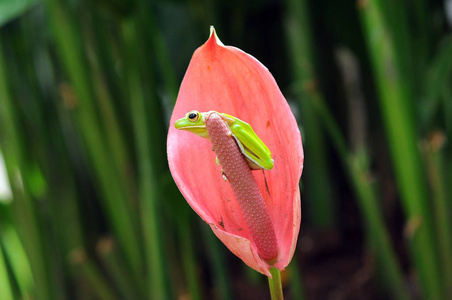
222, 172
217, 161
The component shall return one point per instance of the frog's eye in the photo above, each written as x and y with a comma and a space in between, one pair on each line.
193, 116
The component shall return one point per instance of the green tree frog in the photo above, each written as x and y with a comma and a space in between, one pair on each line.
254, 150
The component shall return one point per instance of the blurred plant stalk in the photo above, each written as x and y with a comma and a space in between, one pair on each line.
396, 103
316, 181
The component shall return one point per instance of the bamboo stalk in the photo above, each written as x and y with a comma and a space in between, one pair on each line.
108, 255
435, 162
48, 157
395, 98
5, 285
296, 281
217, 258
438, 79
105, 99
316, 177
147, 185
447, 108
162, 53
386, 257
189, 261
18, 260
359, 176
92, 274
108, 55
118, 207
24, 208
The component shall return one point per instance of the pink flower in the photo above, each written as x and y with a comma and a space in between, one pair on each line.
227, 80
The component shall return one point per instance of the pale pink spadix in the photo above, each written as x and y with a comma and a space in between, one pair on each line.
245, 188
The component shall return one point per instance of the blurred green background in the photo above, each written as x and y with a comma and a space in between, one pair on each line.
88, 207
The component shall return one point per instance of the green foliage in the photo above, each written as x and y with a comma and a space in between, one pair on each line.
86, 91
9, 10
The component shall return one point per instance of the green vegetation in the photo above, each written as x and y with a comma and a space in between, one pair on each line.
86, 91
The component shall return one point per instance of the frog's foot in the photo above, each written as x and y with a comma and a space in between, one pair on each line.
229, 132
224, 176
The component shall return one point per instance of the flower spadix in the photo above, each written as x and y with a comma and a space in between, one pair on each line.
227, 80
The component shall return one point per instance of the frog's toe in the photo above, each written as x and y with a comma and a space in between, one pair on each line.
224, 176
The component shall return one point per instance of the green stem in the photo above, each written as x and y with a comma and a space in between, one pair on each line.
28, 222
381, 248
92, 274
15, 254
220, 272
300, 44
435, 162
119, 208
296, 281
368, 202
396, 101
275, 284
162, 54
147, 183
108, 253
5, 284
189, 259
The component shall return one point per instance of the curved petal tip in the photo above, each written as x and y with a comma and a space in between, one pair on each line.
213, 34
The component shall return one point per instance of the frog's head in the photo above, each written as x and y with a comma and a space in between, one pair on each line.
195, 122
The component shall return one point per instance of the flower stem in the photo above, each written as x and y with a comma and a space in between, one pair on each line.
275, 284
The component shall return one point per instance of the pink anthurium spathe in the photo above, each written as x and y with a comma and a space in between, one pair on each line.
227, 80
